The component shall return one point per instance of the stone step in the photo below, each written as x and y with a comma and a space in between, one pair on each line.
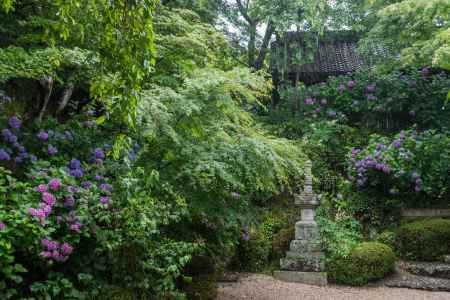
446, 259
314, 278
403, 279
430, 269
418, 282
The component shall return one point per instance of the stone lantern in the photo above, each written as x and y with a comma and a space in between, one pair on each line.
305, 261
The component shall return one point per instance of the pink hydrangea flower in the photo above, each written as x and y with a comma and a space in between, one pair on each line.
55, 184
66, 249
48, 198
41, 188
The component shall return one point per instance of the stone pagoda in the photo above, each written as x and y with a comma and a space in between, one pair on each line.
305, 261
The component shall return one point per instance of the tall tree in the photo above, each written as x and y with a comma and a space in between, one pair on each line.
258, 20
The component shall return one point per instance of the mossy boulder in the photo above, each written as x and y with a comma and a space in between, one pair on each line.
424, 240
366, 262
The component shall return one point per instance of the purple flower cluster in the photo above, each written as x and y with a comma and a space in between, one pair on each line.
350, 84
75, 169
51, 150
42, 135
310, 101
369, 162
56, 251
418, 182
371, 88
2, 226
9, 137
15, 122
341, 88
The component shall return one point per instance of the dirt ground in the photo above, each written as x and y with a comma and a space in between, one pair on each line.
264, 287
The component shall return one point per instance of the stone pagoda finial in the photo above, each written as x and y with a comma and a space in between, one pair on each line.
305, 261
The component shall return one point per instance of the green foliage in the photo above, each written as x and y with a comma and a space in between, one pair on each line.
418, 29
388, 238
366, 262
424, 240
253, 253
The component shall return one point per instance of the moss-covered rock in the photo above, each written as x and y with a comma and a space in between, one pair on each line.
366, 262
424, 240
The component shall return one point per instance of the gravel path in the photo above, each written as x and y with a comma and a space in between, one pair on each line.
264, 287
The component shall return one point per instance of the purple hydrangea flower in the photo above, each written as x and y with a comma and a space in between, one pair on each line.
77, 173
75, 164
317, 110
86, 184
6, 134
371, 98
371, 88
99, 154
76, 227
46, 254
89, 124
351, 84
309, 101
98, 177
33, 158
51, 150
42, 135
415, 175
2, 226
15, 122
69, 202
104, 200
55, 184
49, 244
105, 187
397, 144
341, 88
72, 189
4, 155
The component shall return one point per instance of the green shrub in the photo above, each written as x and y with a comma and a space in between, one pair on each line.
388, 238
282, 240
252, 255
424, 240
367, 261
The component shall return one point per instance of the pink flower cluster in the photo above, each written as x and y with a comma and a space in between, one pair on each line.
48, 200
56, 251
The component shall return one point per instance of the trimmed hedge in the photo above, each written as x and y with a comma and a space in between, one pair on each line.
424, 240
367, 261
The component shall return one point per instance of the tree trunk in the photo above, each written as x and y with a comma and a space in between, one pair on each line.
47, 84
65, 97
265, 46
252, 43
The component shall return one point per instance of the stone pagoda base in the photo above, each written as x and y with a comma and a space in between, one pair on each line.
313, 278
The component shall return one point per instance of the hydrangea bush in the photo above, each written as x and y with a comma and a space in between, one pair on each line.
68, 209
411, 167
